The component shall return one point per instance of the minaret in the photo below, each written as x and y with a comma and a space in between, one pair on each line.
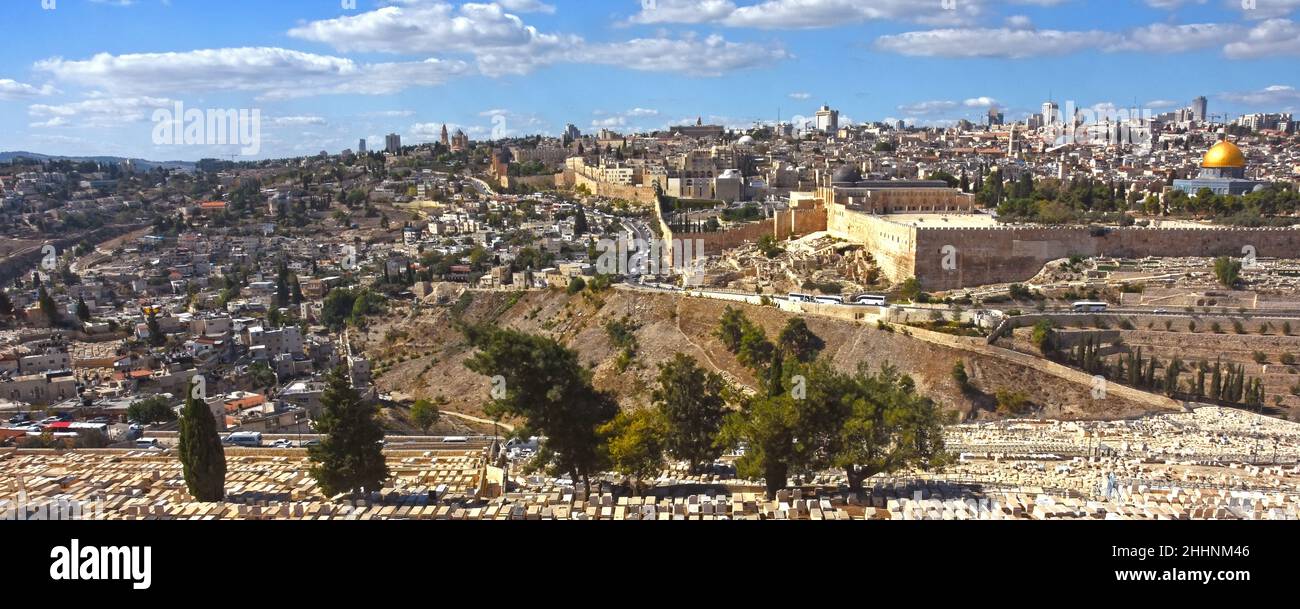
445, 140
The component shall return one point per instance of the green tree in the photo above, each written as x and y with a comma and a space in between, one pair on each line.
424, 415
48, 307
150, 410
156, 336
6, 305
201, 454
83, 311
910, 289
635, 441
692, 407
1228, 271
798, 341
889, 426
350, 457
730, 328
765, 426
1043, 336
282, 287
539, 381
770, 246
959, 375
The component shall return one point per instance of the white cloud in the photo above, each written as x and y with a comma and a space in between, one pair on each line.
711, 56
804, 14
928, 107
502, 44
991, 42
12, 89
98, 111
272, 73
1268, 97
980, 102
1269, 38
1163, 38
389, 114
1019, 43
526, 6
285, 121
801, 96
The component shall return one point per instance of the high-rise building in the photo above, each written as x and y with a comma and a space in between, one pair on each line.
995, 117
828, 121
361, 146
393, 143
571, 132
1199, 107
1051, 113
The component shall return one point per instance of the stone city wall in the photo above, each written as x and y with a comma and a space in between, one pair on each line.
980, 256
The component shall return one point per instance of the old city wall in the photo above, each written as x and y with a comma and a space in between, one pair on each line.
891, 244
792, 223
1009, 254
641, 194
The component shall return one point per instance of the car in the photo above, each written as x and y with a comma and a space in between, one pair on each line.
1160, 311
49, 420
310, 443
21, 417
282, 443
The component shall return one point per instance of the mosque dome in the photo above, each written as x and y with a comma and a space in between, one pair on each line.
1224, 155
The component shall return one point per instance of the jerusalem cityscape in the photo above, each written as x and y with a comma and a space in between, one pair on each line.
663, 260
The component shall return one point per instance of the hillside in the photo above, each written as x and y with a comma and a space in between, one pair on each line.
419, 354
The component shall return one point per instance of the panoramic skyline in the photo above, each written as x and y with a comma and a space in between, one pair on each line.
85, 77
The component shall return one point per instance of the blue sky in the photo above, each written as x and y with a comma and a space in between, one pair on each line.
86, 76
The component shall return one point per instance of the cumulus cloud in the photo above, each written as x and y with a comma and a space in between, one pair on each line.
502, 44
97, 111
803, 14
1163, 38
1268, 38
990, 42
12, 90
270, 72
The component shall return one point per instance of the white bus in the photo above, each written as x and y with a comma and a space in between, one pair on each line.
870, 300
1090, 307
800, 298
245, 438
835, 300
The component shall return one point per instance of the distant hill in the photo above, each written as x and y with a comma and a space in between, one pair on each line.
6, 157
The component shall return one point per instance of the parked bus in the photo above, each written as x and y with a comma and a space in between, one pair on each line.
251, 439
870, 300
1090, 307
835, 300
801, 298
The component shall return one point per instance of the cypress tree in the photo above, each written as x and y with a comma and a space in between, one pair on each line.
201, 454
350, 458
83, 311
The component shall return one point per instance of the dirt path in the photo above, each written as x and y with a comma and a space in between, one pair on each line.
726, 375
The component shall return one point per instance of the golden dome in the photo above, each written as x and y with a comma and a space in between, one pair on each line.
1224, 154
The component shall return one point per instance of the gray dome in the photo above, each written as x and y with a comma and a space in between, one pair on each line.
846, 174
